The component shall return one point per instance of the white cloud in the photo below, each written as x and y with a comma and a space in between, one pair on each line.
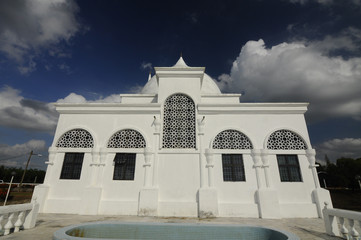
7, 151
21, 113
347, 40
146, 66
76, 98
297, 72
337, 148
16, 155
28, 27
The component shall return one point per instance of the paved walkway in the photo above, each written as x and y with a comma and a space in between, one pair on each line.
47, 224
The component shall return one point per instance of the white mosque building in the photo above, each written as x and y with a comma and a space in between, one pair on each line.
182, 148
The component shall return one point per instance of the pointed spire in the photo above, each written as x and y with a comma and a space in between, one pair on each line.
150, 75
181, 63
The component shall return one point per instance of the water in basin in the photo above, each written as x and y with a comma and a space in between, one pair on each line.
163, 231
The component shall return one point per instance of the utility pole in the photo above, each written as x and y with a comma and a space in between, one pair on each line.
26, 167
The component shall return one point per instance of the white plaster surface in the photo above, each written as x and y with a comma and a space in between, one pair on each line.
179, 174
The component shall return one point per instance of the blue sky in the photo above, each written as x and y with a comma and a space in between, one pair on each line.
271, 51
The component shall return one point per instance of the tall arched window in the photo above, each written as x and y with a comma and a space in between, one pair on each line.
179, 128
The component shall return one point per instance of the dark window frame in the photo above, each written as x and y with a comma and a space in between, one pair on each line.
72, 166
287, 175
233, 176
124, 166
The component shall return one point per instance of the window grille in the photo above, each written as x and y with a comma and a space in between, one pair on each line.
127, 138
124, 166
231, 139
179, 129
76, 138
285, 140
233, 168
72, 166
289, 168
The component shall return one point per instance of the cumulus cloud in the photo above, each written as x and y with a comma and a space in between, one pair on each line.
76, 98
18, 112
337, 148
348, 40
297, 72
16, 155
29, 27
7, 151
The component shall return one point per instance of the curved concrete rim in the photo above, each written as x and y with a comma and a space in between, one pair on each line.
61, 233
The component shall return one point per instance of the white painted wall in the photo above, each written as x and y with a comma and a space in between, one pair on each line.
178, 179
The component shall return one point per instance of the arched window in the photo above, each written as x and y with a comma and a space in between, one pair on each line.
179, 128
285, 140
231, 139
127, 138
73, 162
232, 164
76, 138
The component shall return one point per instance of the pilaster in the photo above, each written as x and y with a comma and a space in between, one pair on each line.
267, 197
319, 195
207, 196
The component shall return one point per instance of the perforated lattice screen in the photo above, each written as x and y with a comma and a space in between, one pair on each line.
285, 140
127, 138
231, 139
179, 129
76, 138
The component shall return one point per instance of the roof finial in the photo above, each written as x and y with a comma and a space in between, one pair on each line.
180, 63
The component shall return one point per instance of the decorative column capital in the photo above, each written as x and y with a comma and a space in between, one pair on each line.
209, 157
201, 122
147, 156
311, 156
256, 156
264, 157
310, 153
156, 124
52, 150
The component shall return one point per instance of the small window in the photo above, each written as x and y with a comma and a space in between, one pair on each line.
72, 165
124, 166
233, 168
289, 168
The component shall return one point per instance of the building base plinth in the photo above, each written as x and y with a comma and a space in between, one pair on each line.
148, 202
268, 204
321, 196
207, 203
90, 201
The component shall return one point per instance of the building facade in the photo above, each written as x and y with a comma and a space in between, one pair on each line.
182, 148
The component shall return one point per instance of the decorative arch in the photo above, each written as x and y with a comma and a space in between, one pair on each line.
231, 139
179, 128
286, 140
76, 138
127, 138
